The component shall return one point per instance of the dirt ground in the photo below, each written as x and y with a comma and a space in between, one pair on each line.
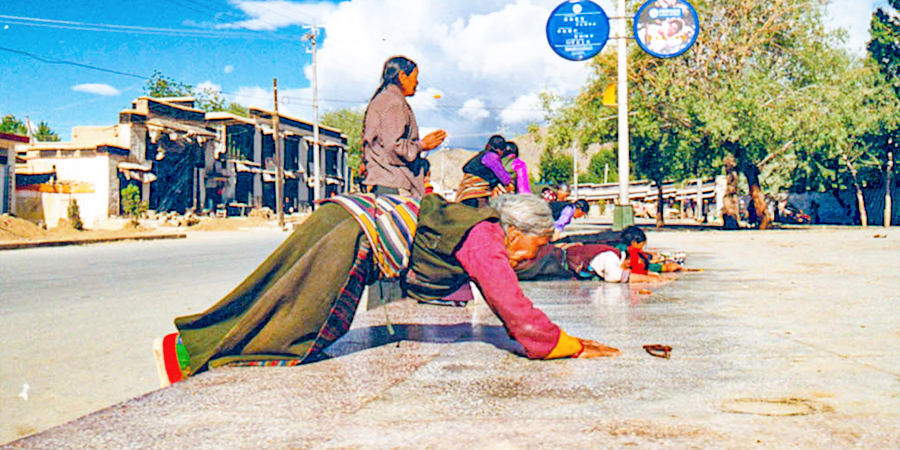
13, 229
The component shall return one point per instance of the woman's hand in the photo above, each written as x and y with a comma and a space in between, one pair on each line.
671, 267
433, 139
594, 349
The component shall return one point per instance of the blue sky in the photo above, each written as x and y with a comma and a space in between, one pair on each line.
482, 62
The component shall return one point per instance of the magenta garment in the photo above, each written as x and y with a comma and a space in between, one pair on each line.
483, 256
491, 160
523, 183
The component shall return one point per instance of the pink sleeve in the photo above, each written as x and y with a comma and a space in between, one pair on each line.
523, 184
492, 161
483, 256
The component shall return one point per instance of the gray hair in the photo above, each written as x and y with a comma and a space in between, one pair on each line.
530, 214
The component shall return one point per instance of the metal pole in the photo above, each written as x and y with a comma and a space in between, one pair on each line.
624, 213
279, 159
575, 171
317, 158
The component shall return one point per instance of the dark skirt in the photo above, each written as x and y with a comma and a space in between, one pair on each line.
281, 310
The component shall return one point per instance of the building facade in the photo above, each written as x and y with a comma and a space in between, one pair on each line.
9, 144
181, 159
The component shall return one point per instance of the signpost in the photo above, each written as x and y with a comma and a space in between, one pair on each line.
578, 29
666, 28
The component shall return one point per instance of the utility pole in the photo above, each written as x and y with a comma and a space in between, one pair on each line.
624, 213
317, 158
575, 171
279, 159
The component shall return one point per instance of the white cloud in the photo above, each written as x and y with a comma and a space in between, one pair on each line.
296, 103
209, 86
272, 15
96, 88
492, 50
228, 69
425, 99
855, 17
473, 109
526, 108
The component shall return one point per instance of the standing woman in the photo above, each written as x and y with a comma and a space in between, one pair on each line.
391, 146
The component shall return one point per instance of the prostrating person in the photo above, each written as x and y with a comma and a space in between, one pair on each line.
564, 212
303, 297
484, 176
392, 150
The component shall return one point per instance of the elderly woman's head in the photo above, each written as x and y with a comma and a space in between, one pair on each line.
528, 223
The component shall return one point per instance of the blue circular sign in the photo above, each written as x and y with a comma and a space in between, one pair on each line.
666, 28
577, 29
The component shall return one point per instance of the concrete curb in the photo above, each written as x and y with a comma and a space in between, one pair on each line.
63, 243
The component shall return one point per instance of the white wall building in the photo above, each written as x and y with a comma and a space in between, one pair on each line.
9, 143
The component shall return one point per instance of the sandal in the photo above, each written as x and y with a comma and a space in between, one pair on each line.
658, 350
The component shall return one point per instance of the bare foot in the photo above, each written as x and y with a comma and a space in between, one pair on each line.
594, 349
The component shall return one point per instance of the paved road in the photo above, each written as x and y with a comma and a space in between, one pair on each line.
784, 342
77, 323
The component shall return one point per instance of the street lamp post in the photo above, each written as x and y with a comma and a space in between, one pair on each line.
624, 213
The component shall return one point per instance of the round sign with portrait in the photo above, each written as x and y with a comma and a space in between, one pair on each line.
577, 29
666, 28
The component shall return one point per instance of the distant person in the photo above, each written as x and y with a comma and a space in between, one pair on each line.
564, 212
391, 146
548, 194
562, 191
484, 176
517, 168
621, 262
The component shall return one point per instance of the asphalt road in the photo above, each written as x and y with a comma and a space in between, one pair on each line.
77, 323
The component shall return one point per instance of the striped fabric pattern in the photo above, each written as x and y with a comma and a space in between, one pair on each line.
339, 318
473, 186
389, 222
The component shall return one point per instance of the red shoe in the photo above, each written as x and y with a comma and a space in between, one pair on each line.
172, 362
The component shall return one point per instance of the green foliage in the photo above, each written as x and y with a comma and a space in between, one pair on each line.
598, 166
132, 204
45, 134
9, 124
160, 85
555, 167
757, 84
885, 44
74, 214
350, 122
208, 100
237, 109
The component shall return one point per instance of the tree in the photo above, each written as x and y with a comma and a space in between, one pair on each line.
45, 134
350, 122
753, 72
160, 86
74, 214
555, 167
132, 204
208, 100
9, 124
603, 167
884, 48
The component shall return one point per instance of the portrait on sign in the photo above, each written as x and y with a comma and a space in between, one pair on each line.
666, 28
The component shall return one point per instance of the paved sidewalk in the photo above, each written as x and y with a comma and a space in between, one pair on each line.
786, 340
18, 245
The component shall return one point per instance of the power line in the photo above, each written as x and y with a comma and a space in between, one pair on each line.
113, 28
214, 14
71, 63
